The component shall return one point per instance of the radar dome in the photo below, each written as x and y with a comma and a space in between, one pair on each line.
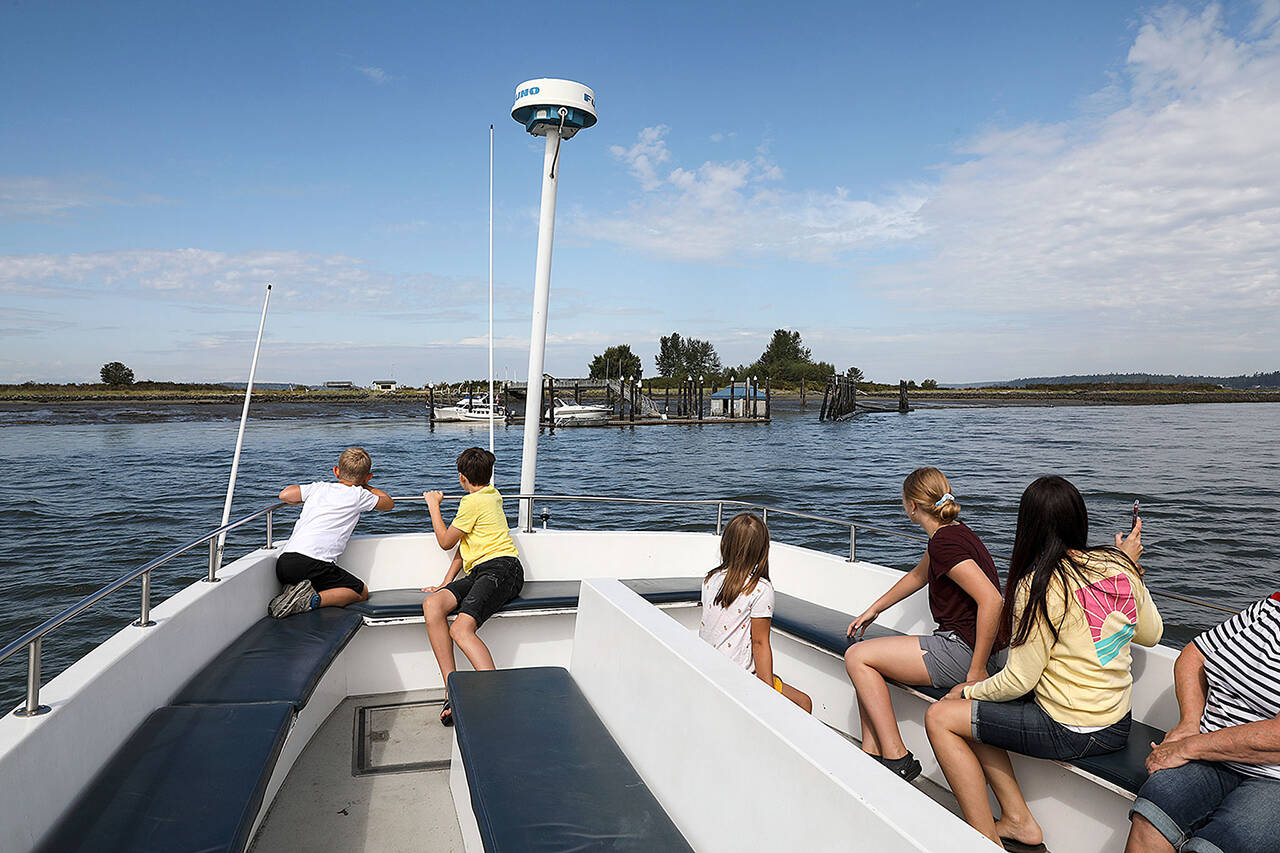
547, 103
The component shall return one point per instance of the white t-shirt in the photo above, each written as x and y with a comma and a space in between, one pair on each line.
329, 514
729, 628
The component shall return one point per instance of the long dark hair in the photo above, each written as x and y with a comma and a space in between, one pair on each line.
1052, 523
744, 557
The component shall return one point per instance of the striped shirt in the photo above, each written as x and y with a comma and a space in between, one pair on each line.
1242, 667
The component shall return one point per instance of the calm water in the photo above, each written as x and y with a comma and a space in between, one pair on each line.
98, 490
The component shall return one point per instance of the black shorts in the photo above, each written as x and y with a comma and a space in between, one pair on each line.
488, 586
292, 567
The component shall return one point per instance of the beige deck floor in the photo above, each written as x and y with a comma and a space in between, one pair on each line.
323, 805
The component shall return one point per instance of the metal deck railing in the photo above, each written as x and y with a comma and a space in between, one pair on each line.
33, 639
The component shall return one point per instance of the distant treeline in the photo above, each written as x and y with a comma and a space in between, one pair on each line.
145, 385
1139, 381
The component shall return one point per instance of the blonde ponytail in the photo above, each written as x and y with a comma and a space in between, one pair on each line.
930, 491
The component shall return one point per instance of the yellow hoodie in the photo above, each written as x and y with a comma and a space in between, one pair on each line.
1082, 678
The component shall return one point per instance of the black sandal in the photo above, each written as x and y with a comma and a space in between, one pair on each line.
1016, 846
446, 714
905, 767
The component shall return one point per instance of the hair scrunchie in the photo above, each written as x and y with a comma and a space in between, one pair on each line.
947, 497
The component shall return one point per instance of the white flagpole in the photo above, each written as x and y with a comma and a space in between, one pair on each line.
244, 416
492, 399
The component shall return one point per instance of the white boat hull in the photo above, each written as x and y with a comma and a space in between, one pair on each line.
100, 700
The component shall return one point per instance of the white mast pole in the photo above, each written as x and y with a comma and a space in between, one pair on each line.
244, 417
492, 399
538, 333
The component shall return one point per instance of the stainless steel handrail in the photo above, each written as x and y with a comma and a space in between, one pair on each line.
32, 639
766, 509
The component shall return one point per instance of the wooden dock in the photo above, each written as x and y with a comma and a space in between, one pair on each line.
624, 422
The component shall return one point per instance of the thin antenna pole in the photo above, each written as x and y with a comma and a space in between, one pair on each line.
492, 399
244, 416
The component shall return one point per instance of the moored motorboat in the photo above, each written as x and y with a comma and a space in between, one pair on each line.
574, 414
470, 408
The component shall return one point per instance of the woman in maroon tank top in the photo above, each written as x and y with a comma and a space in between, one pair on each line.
964, 597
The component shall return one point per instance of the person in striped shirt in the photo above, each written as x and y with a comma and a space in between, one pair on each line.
1215, 778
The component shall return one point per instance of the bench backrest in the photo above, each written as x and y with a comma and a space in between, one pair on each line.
719, 749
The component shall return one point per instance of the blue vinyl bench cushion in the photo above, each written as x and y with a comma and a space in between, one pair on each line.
276, 660
535, 595
541, 765
190, 778
825, 628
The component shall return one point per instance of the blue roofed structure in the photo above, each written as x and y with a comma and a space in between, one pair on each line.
739, 401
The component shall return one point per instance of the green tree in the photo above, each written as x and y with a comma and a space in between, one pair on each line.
786, 357
929, 385
855, 374
670, 357
114, 373
785, 347
680, 357
616, 361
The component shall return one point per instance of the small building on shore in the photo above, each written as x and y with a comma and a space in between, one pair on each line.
340, 384
384, 385
738, 401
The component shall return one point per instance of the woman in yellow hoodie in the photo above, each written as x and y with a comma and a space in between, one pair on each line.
1072, 611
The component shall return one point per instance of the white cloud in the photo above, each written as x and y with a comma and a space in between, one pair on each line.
1159, 211
211, 277
724, 210
376, 74
1153, 211
25, 197
645, 156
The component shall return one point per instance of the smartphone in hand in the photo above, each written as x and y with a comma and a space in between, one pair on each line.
1135, 514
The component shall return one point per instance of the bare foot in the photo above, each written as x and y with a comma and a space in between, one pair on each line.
1025, 830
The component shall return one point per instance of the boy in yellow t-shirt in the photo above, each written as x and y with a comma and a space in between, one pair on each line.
489, 562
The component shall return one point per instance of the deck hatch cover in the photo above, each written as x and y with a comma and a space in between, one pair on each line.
400, 738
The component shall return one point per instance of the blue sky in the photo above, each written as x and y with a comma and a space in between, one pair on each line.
959, 191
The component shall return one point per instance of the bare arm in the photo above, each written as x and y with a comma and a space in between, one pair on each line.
384, 499
446, 535
1192, 690
761, 651
455, 566
1026, 662
291, 495
907, 585
970, 578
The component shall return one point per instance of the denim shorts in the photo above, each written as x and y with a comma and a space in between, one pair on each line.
489, 585
1024, 727
947, 657
1207, 807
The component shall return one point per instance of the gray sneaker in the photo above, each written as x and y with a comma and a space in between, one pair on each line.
295, 599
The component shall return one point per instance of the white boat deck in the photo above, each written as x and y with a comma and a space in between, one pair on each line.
327, 804
318, 798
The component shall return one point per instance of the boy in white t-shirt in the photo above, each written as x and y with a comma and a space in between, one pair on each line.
330, 511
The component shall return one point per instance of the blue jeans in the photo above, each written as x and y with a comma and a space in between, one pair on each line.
1026, 728
1207, 807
